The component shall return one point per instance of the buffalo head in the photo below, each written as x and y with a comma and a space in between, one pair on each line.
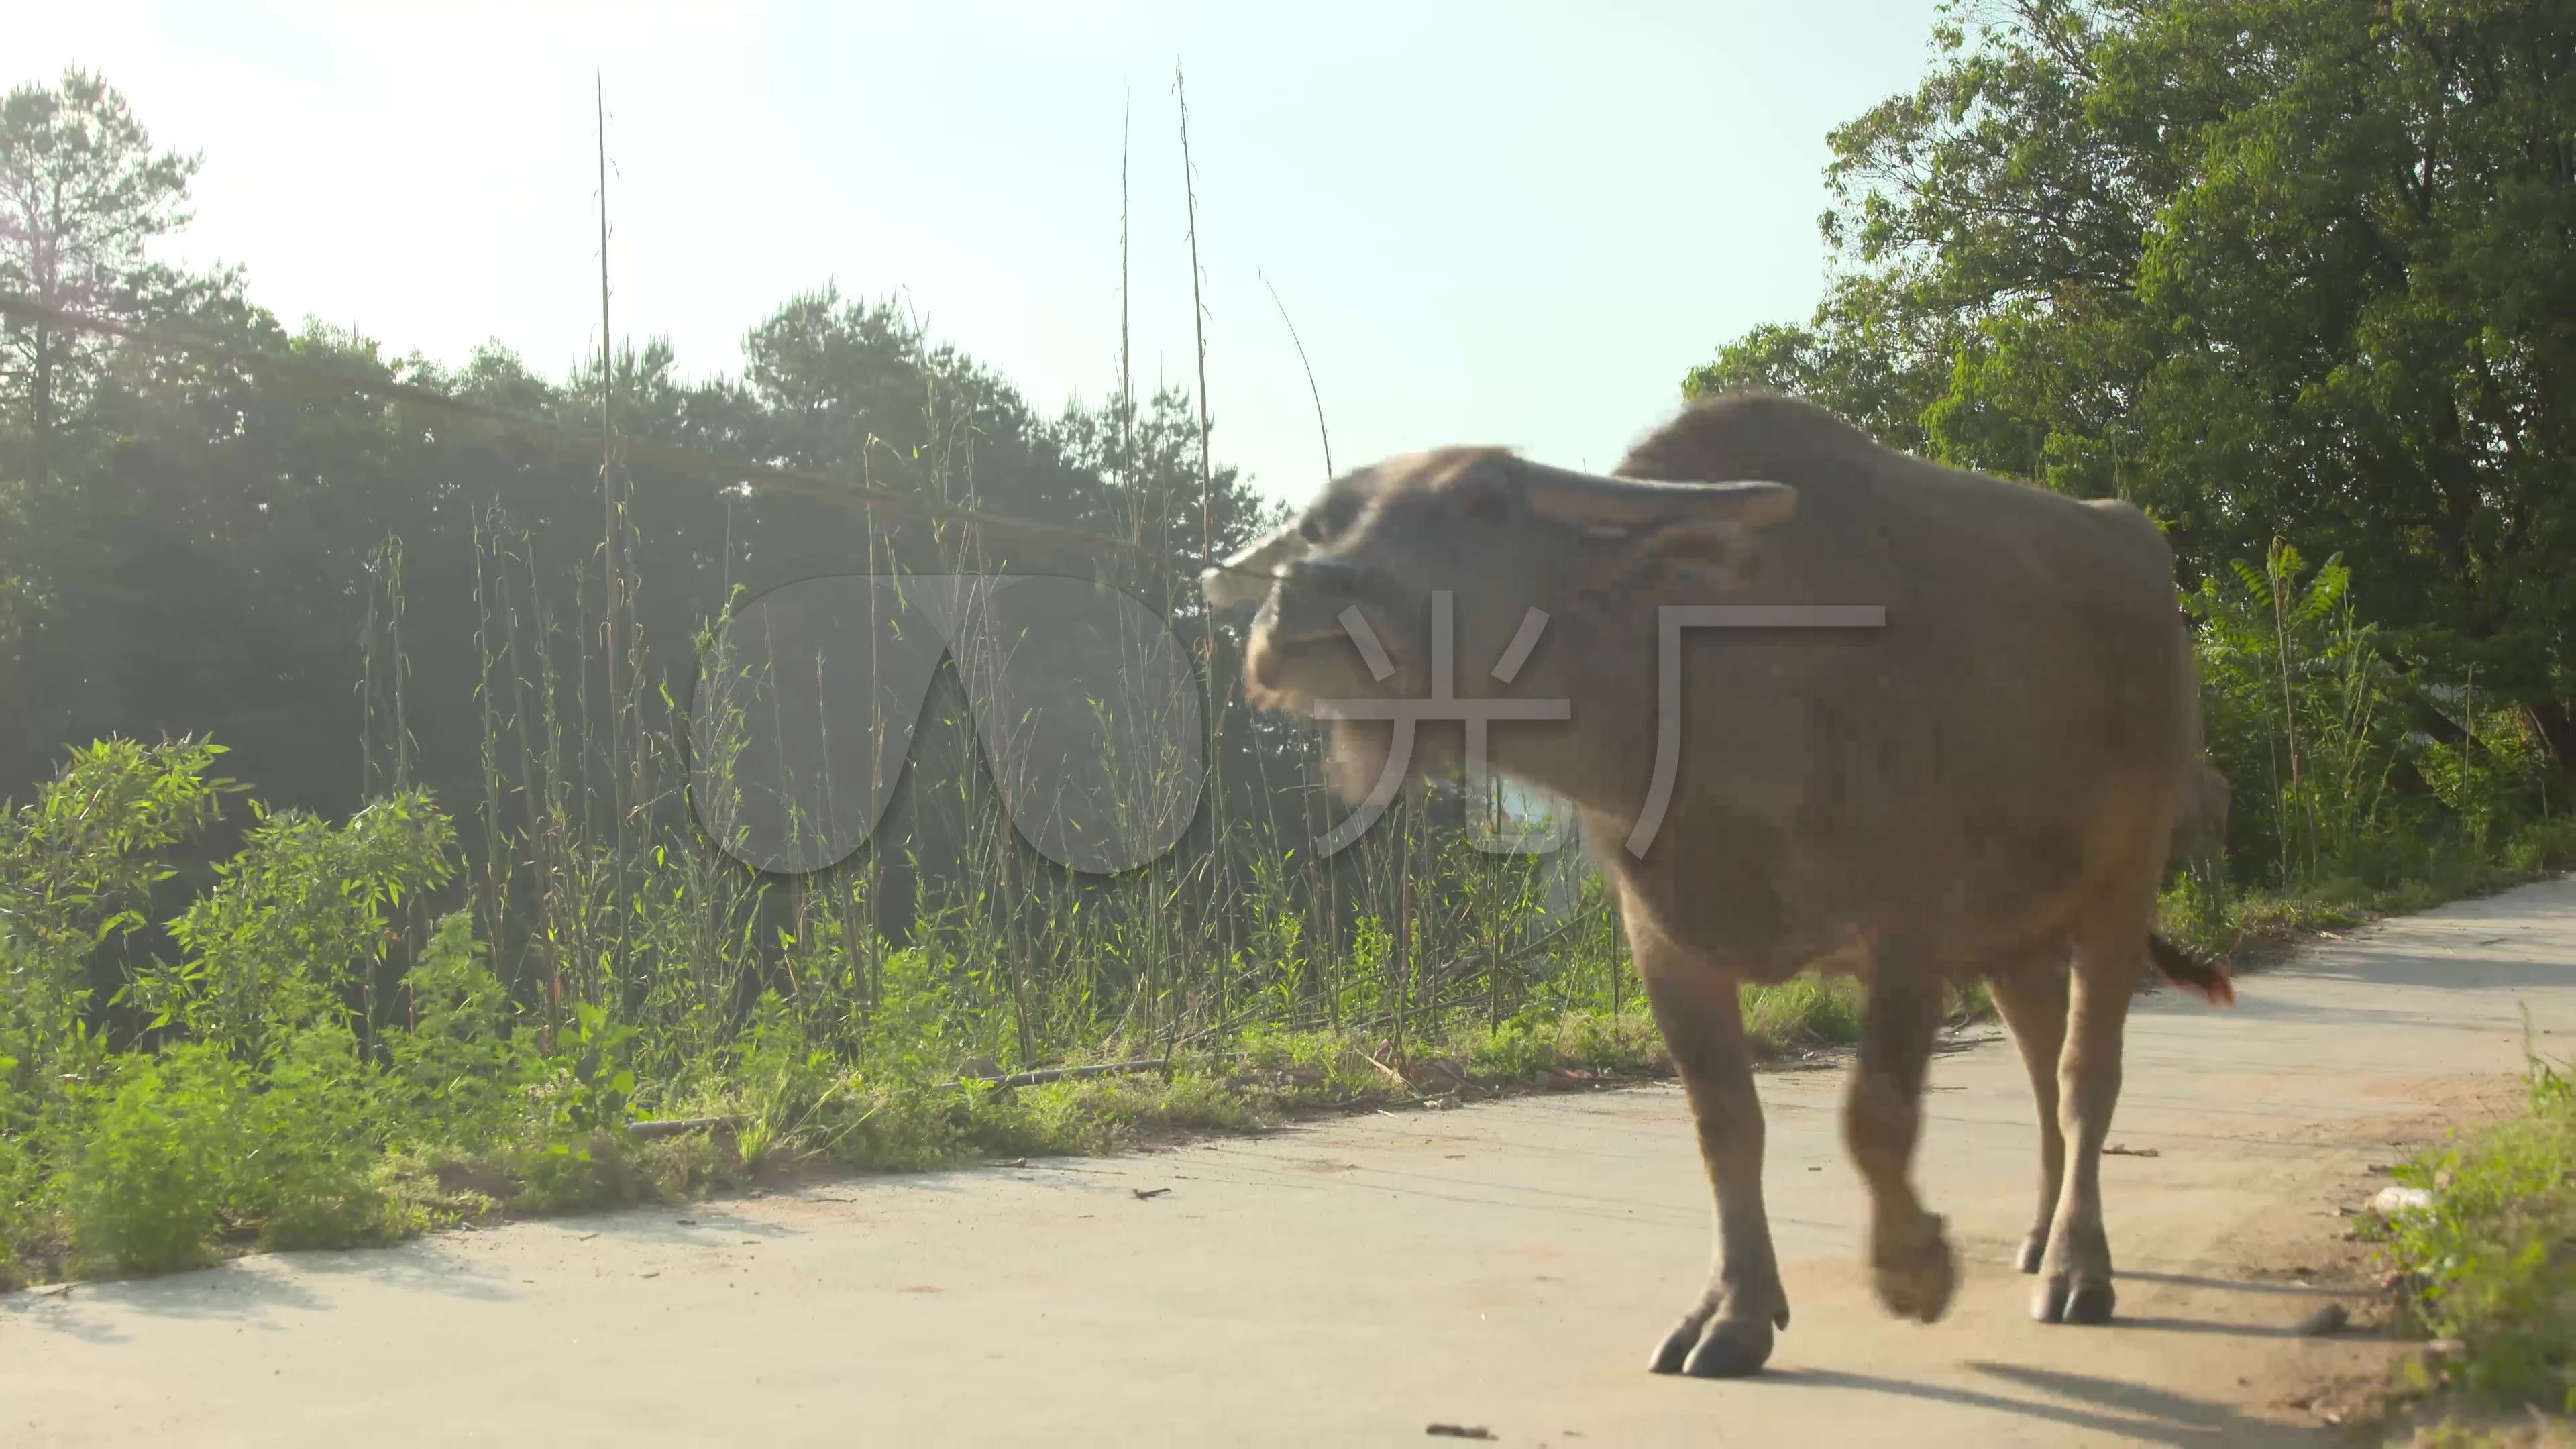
1346, 592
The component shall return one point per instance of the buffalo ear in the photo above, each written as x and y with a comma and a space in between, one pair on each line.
1722, 552
1701, 555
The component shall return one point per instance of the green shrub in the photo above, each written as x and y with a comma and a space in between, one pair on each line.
147, 1193
592, 1171
2495, 1255
584, 1084
315, 1138
458, 1071
296, 922
779, 1081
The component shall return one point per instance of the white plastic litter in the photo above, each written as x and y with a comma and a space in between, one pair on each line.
2394, 1200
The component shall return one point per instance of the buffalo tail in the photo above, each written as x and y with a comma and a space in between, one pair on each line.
2204, 979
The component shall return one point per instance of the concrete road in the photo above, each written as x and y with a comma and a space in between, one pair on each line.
1505, 1266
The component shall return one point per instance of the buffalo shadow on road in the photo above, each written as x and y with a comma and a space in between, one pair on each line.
2154, 1416
2231, 1285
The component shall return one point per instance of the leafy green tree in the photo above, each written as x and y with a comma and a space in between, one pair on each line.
2303, 710
81, 194
1865, 355
2295, 268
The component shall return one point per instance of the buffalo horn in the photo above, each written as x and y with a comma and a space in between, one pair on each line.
1563, 496
1245, 578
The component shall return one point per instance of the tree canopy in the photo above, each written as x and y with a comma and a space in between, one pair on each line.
195, 536
2293, 269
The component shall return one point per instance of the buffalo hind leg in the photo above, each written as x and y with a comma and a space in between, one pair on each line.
1727, 1332
2075, 1281
2031, 998
1909, 1256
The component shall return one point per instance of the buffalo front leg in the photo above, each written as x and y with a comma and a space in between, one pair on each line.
2075, 1272
2031, 998
1909, 1256
1727, 1332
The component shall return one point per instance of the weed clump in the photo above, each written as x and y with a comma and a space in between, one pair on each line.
2491, 1263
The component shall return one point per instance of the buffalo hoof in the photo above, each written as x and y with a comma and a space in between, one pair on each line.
1723, 1348
2033, 1249
1726, 1335
2065, 1300
1915, 1271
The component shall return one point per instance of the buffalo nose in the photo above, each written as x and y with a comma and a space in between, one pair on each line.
1323, 573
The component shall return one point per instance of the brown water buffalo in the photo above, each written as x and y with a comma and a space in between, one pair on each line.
1987, 784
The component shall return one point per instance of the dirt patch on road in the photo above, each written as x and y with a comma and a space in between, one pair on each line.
2348, 1296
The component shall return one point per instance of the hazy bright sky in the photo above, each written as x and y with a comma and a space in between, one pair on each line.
1499, 223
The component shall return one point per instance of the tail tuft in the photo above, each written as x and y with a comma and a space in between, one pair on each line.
2204, 979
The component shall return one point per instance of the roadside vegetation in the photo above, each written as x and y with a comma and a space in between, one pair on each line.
273, 1100
352, 881
2366, 782
2489, 1261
